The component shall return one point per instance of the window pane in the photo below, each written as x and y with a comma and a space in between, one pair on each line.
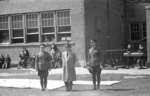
3, 22
33, 38
32, 20
64, 29
4, 36
17, 22
34, 30
48, 29
48, 38
135, 31
17, 40
63, 37
144, 30
3, 18
63, 18
17, 33
47, 19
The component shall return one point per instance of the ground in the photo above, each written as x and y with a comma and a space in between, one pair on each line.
133, 82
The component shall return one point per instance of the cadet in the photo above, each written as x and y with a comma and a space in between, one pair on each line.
94, 64
42, 65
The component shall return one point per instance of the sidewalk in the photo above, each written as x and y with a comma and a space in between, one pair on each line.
132, 71
84, 71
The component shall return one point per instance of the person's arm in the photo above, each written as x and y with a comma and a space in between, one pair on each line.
74, 59
62, 58
49, 58
101, 58
36, 63
88, 60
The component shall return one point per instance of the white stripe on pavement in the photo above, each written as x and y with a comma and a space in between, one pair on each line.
52, 84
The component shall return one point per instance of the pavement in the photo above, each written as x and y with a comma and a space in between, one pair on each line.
132, 71
126, 82
34, 83
53, 84
82, 71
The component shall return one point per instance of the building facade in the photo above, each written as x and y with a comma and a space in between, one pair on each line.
27, 23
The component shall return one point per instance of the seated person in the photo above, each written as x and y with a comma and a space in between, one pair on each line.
7, 61
140, 49
1, 60
140, 59
129, 48
21, 61
129, 60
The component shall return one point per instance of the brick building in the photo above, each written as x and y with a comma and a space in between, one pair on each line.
27, 23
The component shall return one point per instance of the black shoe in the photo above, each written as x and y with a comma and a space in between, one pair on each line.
43, 89
94, 88
98, 87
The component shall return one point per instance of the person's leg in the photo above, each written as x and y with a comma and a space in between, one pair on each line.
42, 81
69, 85
94, 80
66, 86
3, 66
98, 78
45, 82
140, 63
6, 65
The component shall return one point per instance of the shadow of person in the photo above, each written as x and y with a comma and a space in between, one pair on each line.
118, 89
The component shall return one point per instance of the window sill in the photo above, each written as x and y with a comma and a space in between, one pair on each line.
33, 44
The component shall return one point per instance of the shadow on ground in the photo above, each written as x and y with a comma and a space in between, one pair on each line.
118, 89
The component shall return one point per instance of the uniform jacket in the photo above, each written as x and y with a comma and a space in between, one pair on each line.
94, 57
43, 61
68, 64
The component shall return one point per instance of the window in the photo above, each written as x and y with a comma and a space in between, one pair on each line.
35, 27
63, 21
48, 27
64, 26
4, 33
32, 28
137, 31
17, 29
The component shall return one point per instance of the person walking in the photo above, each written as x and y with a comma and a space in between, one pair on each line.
42, 65
68, 65
94, 64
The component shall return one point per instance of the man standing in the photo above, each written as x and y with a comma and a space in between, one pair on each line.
42, 65
68, 64
94, 63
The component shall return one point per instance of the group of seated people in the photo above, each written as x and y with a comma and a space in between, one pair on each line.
135, 56
27, 60
5, 61
24, 55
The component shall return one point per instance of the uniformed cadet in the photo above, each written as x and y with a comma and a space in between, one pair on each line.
94, 64
42, 66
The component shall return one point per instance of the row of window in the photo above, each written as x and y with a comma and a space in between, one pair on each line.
36, 27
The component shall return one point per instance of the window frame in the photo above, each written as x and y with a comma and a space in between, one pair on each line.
15, 25
141, 31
